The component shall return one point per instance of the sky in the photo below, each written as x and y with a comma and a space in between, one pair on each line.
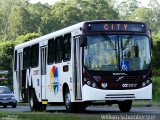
143, 2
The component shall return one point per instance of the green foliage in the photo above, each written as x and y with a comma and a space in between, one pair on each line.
27, 37
40, 18
5, 9
126, 8
6, 51
155, 51
6, 55
156, 72
18, 22
73, 11
142, 14
156, 89
47, 116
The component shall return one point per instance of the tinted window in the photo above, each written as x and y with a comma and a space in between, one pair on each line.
67, 48
34, 55
26, 57
59, 49
51, 51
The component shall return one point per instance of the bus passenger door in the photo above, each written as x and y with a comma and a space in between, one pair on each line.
77, 68
43, 72
19, 75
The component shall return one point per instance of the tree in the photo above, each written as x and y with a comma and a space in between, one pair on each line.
18, 22
40, 18
155, 52
27, 37
142, 14
127, 7
69, 12
155, 8
6, 52
5, 8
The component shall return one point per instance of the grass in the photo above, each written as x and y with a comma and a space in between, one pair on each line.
66, 116
46, 116
145, 103
156, 89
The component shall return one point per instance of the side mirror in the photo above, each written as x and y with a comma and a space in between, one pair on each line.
83, 40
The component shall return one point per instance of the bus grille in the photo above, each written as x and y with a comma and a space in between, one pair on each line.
109, 96
125, 78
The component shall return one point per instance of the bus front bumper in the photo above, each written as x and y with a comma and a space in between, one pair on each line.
94, 94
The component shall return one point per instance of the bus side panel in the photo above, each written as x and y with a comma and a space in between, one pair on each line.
15, 84
56, 77
53, 83
36, 82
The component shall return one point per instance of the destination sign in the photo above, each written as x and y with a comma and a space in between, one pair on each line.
116, 27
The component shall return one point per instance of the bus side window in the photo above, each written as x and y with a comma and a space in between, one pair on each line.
67, 47
26, 58
15, 60
59, 49
34, 55
51, 51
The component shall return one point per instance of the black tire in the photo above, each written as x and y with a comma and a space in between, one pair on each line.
125, 106
4, 106
14, 105
70, 106
43, 107
33, 102
67, 100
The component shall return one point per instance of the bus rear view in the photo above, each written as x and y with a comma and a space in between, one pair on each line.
116, 62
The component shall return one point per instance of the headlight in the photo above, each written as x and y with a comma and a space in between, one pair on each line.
143, 84
148, 81
89, 83
12, 98
94, 85
104, 85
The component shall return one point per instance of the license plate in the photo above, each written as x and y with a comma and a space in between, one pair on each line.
5, 101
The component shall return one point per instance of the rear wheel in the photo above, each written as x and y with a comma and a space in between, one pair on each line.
125, 106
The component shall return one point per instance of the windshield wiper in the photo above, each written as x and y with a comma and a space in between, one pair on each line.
109, 41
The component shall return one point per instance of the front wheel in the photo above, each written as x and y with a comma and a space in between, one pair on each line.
67, 100
34, 104
73, 107
125, 106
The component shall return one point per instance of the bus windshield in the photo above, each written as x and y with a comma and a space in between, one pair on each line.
117, 53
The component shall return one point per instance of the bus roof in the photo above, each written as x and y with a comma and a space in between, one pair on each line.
65, 31
51, 35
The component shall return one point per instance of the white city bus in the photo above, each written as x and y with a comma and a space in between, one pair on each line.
102, 62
